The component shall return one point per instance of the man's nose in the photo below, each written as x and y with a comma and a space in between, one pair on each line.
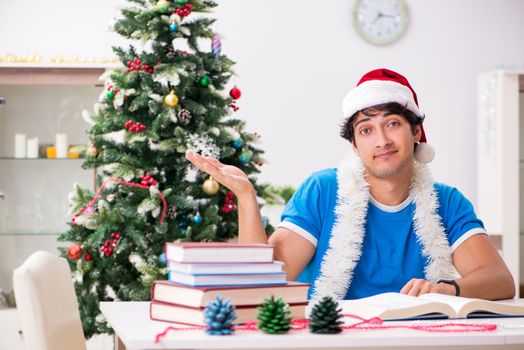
383, 139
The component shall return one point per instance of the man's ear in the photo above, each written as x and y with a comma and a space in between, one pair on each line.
355, 149
418, 134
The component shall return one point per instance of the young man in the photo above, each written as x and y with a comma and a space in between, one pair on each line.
377, 223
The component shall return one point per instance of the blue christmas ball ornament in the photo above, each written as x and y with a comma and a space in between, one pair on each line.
244, 157
197, 219
173, 27
264, 221
163, 259
237, 143
183, 231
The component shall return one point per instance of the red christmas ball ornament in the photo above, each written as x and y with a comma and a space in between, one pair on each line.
235, 93
88, 257
92, 151
74, 252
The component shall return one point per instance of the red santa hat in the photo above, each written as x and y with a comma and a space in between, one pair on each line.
383, 86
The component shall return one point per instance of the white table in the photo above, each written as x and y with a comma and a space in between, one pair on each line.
135, 331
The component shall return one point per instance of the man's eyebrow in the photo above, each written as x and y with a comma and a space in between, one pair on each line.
385, 114
360, 121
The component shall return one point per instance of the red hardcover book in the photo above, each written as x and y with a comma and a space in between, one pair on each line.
215, 252
166, 312
199, 297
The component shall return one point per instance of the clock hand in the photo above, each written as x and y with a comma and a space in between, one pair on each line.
380, 15
389, 16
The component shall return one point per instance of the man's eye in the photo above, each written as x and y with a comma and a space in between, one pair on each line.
394, 124
364, 131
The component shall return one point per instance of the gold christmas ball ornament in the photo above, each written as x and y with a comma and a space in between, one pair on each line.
171, 100
210, 186
162, 4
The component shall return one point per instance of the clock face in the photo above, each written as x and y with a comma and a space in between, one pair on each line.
380, 22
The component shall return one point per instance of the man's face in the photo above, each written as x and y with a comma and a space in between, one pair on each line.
385, 143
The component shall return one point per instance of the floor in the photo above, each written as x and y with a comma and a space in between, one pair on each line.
10, 339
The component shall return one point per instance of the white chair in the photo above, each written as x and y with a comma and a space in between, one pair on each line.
47, 304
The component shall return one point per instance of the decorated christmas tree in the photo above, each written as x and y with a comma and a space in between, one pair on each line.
171, 93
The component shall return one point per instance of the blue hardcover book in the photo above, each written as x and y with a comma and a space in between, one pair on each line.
278, 278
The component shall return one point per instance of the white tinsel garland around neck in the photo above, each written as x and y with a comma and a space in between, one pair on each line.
347, 235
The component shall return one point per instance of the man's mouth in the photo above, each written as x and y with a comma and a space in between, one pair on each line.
385, 155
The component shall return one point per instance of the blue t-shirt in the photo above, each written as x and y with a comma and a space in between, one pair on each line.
391, 253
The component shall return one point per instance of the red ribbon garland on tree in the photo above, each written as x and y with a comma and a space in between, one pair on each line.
132, 184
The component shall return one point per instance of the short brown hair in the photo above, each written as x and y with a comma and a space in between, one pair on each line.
347, 129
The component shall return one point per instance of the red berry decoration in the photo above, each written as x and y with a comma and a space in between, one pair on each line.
134, 127
110, 244
235, 93
229, 203
136, 65
233, 105
88, 257
184, 11
74, 252
147, 180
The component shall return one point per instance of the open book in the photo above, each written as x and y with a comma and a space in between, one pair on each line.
396, 306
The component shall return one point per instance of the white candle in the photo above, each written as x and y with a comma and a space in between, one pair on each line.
61, 146
32, 148
20, 146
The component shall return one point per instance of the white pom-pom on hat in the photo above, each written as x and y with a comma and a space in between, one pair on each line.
424, 153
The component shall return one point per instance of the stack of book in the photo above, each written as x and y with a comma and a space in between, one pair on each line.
244, 273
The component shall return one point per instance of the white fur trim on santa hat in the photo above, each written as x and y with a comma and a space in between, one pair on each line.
374, 92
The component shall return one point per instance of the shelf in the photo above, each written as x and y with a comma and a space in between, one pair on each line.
52, 74
52, 159
28, 233
58, 65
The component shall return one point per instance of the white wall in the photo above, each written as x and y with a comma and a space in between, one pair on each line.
297, 59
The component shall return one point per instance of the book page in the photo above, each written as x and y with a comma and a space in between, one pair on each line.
457, 303
471, 307
393, 306
391, 301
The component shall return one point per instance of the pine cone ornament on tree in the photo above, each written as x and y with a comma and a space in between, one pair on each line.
326, 317
219, 316
273, 316
169, 51
172, 212
185, 115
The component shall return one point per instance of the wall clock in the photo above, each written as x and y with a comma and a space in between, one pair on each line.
380, 22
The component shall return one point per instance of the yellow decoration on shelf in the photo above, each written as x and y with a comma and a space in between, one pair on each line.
171, 100
210, 186
73, 152
51, 152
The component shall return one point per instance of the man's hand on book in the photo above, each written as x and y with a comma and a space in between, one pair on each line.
416, 287
230, 176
